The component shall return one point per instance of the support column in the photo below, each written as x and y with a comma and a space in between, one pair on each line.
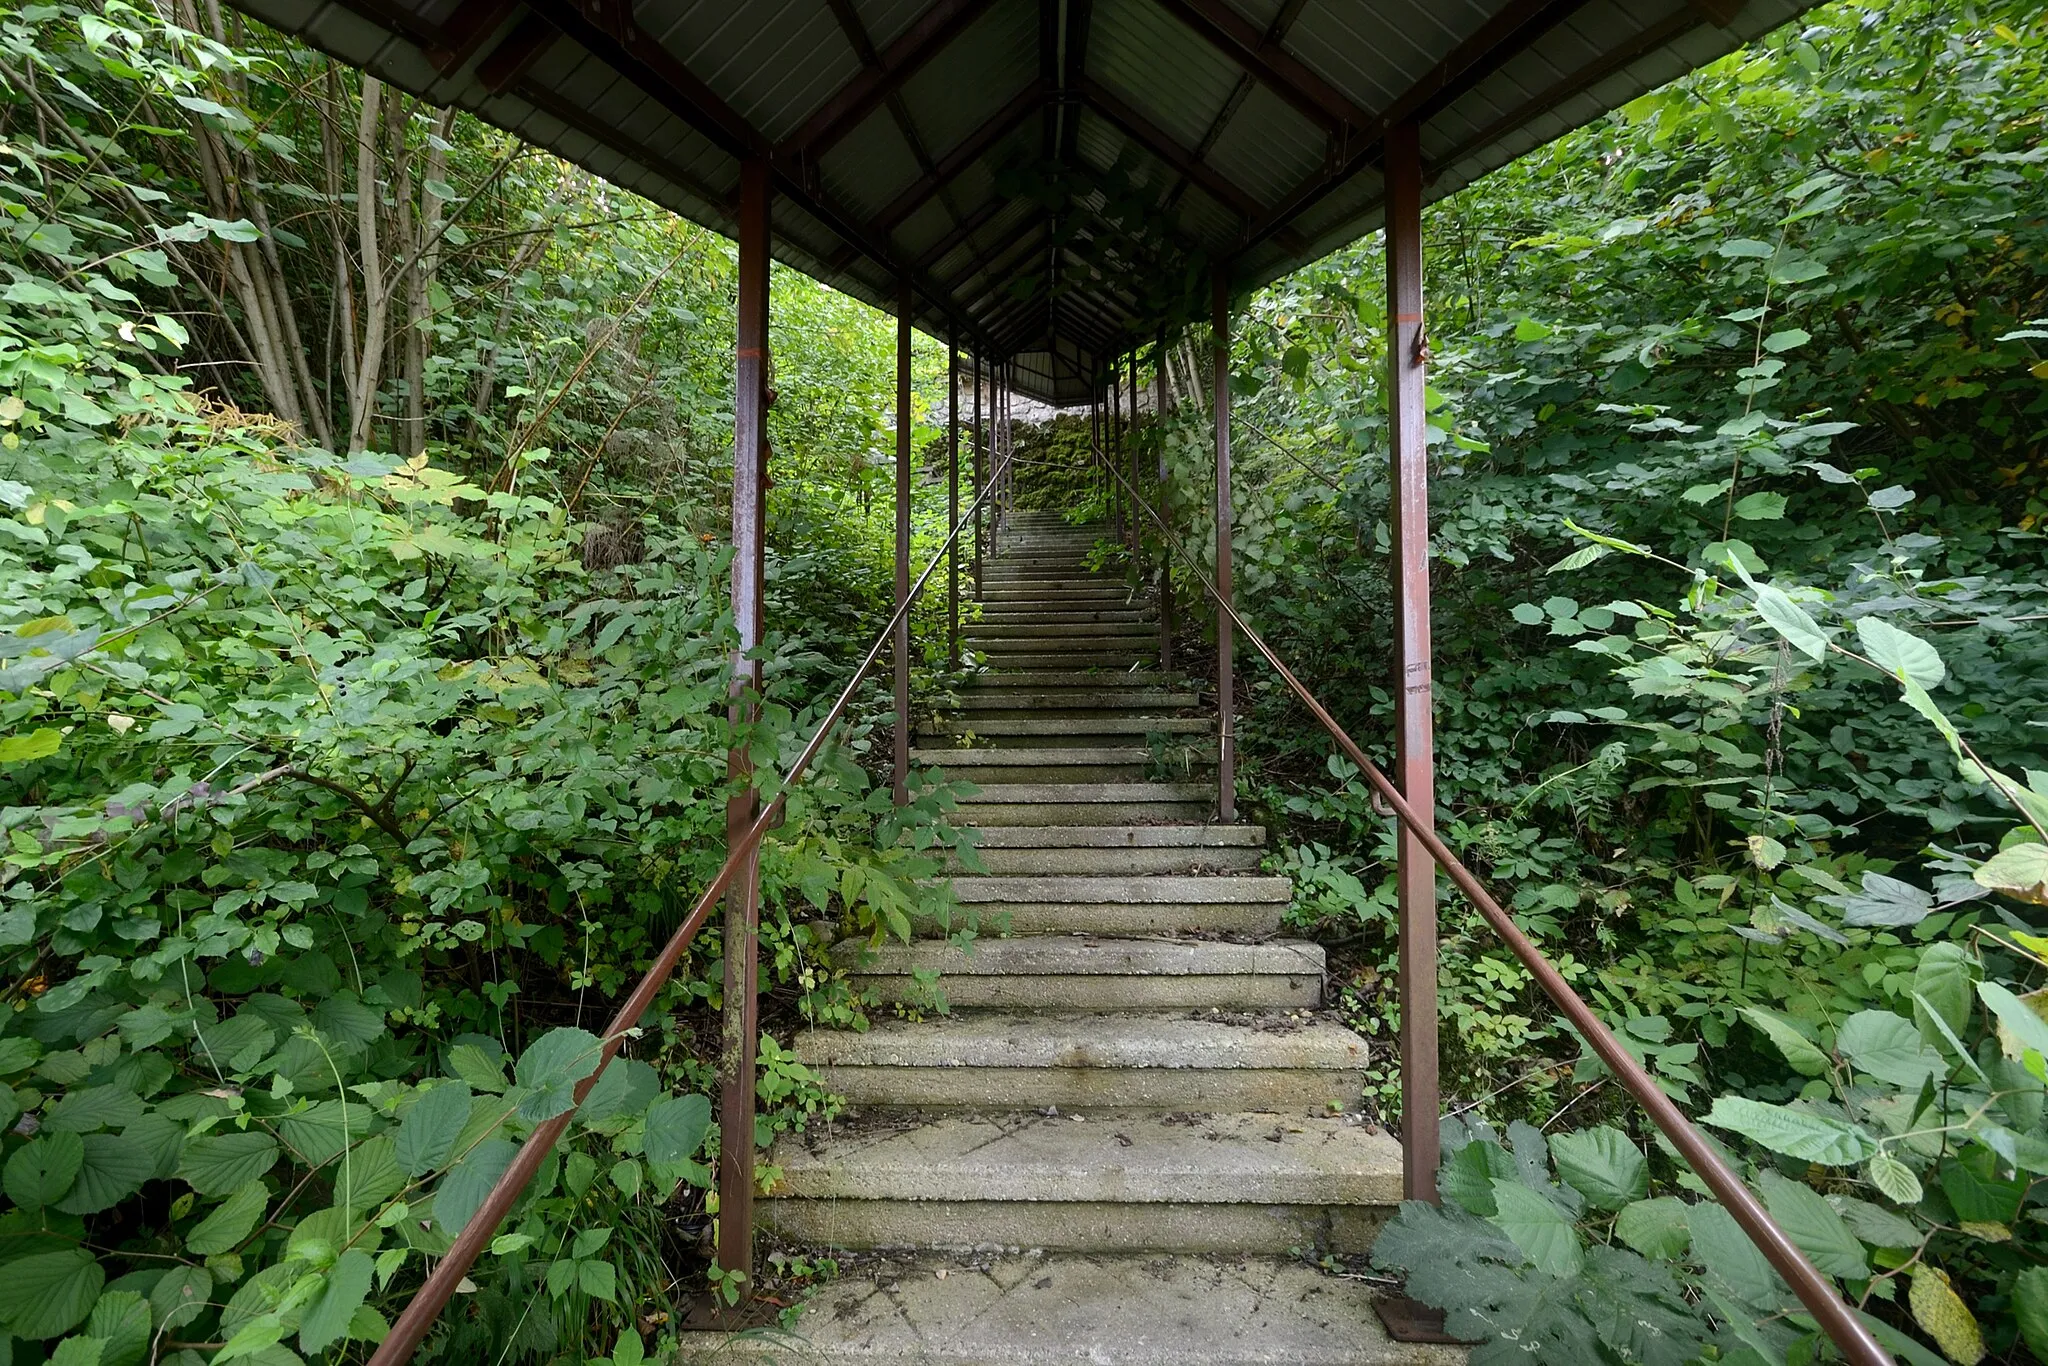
1112, 446
952, 495
740, 1028
1414, 722
980, 472
1160, 403
901, 754
1138, 520
1226, 637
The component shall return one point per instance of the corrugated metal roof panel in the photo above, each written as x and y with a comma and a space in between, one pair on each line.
627, 106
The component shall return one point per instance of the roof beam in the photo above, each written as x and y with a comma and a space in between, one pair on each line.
1080, 17
969, 150
857, 34
1278, 69
1155, 140
983, 264
963, 231
926, 37
467, 28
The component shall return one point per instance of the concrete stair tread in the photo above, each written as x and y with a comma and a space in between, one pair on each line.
1106, 724
1121, 836
1071, 1309
1008, 1040
996, 794
1063, 955
1227, 1159
976, 890
996, 757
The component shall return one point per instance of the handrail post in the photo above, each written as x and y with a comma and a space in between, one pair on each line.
740, 1021
901, 751
1112, 445
980, 471
1159, 407
1226, 720
952, 495
1414, 720
1137, 485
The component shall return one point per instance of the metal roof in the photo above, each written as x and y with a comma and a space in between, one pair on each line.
1053, 178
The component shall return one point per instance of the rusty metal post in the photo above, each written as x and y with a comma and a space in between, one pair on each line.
1414, 722
1111, 448
1226, 702
740, 1029
952, 495
1137, 486
901, 755
980, 472
1160, 402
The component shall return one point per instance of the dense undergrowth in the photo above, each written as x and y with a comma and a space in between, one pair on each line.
1738, 465
364, 661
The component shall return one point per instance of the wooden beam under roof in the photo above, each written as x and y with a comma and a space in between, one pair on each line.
926, 37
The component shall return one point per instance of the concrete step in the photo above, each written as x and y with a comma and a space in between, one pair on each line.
1070, 678
1065, 616
1245, 1183
1095, 630
1070, 765
1020, 731
1285, 1063
1087, 803
1115, 699
1020, 582
1084, 861
1075, 972
1128, 904
1035, 1309
1103, 659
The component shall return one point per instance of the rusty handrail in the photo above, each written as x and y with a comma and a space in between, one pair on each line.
432, 1297
1815, 1291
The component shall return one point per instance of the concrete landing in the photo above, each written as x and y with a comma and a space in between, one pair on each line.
1066, 1310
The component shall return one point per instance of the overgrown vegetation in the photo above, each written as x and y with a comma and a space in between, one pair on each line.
363, 704
1739, 402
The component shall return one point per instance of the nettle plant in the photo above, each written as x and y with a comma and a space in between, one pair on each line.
1897, 1128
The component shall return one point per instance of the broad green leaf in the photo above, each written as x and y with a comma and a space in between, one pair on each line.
1942, 987
1804, 1054
217, 1164
427, 1133
1814, 1225
2030, 1308
2021, 872
1795, 1133
367, 1175
37, 744
550, 1068
181, 1296
1941, 1313
120, 1320
41, 1171
230, 1222
114, 1168
1538, 1227
1602, 1165
676, 1126
326, 1319
1727, 1253
462, 1191
1875, 1224
1790, 620
1901, 654
599, 1280
51, 1293
1761, 507
1894, 1178
1656, 1228
78, 1351
2020, 1028
1888, 1047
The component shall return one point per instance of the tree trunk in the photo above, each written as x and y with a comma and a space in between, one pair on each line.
362, 397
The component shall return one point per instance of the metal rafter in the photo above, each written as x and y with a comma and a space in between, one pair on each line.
1074, 79
1278, 69
969, 150
926, 37
857, 34
1160, 144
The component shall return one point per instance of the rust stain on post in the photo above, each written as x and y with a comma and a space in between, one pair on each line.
1226, 684
901, 754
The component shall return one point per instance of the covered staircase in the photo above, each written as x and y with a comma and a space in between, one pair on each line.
1136, 1126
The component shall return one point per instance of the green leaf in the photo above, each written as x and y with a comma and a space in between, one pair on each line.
1941, 1313
550, 1068
676, 1126
1795, 1133
1904, 656
1602, 1165
1529, 330
45, 1295
1789, 339
1804, 1054
1538, 1227
2019, 1028
1747, 247
427, 1133
1875, 1224
1656, 1228
1814, 1225
39, 1173
181, 1296
2030, 1309
2021, 871
476, 1068
1894, 1178
463, 1189
1790, 620
368, 1175
114, 1168
346, 1021
1942, 987
216, 1164
37, 744
1728, 1255
326, 1319
79, 1351
599, 1280
230, 1222
120, 1321
1761, 507
1888, 1047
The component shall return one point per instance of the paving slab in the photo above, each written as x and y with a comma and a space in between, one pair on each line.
1069, 1310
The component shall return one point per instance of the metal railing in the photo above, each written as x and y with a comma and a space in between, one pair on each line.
1814, 1290
427, 1303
